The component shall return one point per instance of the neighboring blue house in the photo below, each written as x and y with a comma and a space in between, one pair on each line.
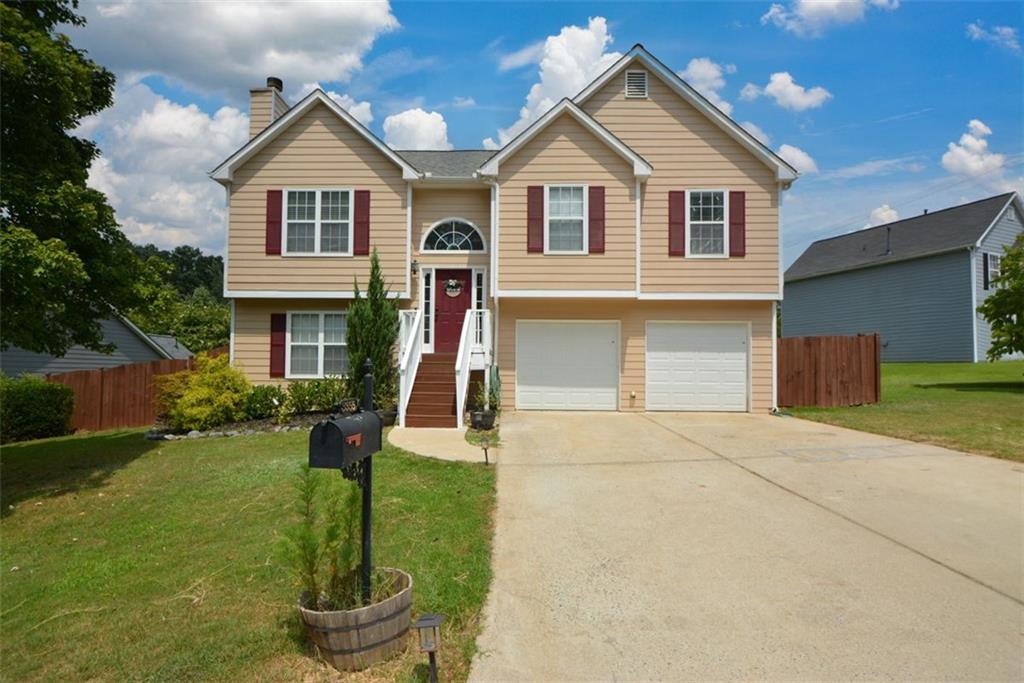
917, 282
132, 345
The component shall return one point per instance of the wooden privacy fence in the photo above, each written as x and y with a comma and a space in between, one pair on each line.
830, 371
109, 398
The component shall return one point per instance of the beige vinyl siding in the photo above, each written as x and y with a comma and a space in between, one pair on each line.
689, 151
260, 103
430, 205
633, 316
316, 151
567, 153
252, 332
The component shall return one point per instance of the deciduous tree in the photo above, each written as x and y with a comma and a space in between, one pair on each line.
1004, 307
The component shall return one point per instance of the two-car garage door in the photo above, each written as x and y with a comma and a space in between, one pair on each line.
575, 366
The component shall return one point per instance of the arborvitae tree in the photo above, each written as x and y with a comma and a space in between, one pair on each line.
372, 332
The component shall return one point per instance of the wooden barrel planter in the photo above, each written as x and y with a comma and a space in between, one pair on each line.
351, 640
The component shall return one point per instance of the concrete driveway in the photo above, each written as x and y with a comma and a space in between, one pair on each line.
711, 547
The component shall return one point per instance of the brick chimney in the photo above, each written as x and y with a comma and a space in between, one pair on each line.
266, 105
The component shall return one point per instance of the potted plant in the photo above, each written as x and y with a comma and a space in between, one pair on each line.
488, 403
322, 549
372, 331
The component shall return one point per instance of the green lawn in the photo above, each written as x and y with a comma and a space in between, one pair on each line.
157, 560
976, 407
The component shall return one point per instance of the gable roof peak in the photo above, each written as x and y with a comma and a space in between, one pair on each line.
784, 171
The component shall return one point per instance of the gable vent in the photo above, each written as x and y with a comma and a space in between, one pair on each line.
636, 84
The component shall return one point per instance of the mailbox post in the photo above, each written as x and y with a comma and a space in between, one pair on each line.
348, 444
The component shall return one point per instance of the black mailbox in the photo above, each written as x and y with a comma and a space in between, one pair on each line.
342, 441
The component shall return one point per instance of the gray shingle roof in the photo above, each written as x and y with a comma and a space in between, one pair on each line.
957, 227
171, 345
460, 163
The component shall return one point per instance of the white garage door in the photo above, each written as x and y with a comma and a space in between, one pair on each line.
567, 366
697, 366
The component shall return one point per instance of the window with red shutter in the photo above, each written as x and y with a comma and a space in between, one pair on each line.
535, 219
595, 217
273, 239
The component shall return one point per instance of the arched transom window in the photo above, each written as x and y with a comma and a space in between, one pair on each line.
453, 234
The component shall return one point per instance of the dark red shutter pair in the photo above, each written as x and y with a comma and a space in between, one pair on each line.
361, 231
535, 219
677, 223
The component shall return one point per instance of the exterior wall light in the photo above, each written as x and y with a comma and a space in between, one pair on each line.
428, 628
415, 266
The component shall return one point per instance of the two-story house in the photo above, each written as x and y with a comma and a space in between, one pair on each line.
622, 253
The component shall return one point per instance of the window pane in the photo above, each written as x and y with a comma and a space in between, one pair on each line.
334, 328
305, 328
301, 237
334, 237
335, 360
427, 305
565, 235
565, 202
303, 360
454, 236
707, 238
334, 205
301, 206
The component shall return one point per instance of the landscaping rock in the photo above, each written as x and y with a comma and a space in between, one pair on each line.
215, 434
194, 434
154, 436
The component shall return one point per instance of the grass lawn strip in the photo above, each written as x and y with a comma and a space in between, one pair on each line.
973, 407
158, 560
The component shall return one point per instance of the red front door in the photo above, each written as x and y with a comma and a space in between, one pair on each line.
453, 297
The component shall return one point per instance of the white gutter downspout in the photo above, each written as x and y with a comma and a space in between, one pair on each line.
408, 240
972, 253
637, 246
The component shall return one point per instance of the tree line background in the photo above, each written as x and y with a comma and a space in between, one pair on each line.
65, 264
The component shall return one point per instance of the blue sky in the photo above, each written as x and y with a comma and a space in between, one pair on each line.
870, 93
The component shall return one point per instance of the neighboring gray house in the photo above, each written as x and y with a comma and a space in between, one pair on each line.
918, 282
132, 346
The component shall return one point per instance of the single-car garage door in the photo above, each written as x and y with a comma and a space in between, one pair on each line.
567, 365
697, 366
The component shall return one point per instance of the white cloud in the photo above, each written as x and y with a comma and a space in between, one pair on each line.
971, 158
570, 61
463, 102
531, 54
882, 215
224, 47
416, 129
798, 159
787, 93
1001, 36
708, 78
757, 132
811, 18
360, 110
155, 156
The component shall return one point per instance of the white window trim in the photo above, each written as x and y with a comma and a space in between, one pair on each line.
996, 272
316, 222
320, 344
647, 84
586, 220
426, 234
725, 226
428, 307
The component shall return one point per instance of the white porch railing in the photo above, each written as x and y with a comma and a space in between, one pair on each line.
474, 354
466, 343
410, 350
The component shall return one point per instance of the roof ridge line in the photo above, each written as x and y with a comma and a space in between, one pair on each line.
910, 218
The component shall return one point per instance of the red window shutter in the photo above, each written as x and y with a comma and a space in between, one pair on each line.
273, 221
278, 323
737, 224
595, 215
535, 219
677, 223
361, 242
